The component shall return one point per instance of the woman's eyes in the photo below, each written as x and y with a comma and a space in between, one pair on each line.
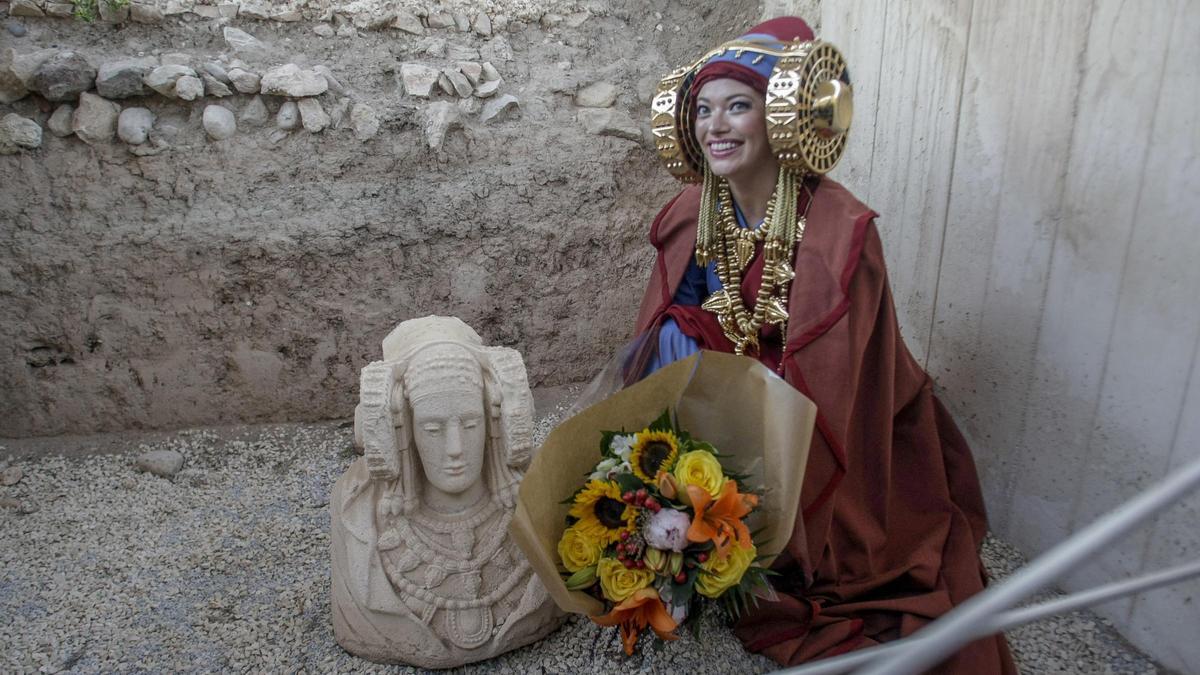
736, 106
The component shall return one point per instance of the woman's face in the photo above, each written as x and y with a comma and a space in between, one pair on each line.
450, 434
731, 127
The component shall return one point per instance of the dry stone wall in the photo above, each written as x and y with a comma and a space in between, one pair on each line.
216, 218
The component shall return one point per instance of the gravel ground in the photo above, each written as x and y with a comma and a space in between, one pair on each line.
226, 567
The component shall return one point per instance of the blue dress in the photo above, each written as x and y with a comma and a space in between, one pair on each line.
696, 286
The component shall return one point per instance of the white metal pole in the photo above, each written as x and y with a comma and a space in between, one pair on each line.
1009, 620
1094, 596
961, 624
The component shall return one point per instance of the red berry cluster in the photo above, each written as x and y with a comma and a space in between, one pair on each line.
642, 498
630, 550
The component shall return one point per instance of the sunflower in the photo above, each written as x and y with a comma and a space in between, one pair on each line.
653, 451
601, 513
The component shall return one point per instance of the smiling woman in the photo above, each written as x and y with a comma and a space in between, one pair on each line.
769, 259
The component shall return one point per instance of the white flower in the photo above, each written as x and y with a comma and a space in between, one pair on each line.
622, 445
667, 530
678, 612
604, 469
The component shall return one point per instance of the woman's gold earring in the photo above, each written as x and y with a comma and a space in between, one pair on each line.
706, 228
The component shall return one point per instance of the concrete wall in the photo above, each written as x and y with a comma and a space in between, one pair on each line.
1036, 167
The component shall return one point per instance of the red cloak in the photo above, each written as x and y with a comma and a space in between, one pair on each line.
893, 515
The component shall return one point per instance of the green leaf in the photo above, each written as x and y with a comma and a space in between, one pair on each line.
739, 599
663, 423
628, 482
606, 438
86, 10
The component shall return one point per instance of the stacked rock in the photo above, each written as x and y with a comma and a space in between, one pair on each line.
355, 15
90, 98
456, 58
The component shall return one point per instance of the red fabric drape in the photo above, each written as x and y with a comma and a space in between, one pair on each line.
891, 501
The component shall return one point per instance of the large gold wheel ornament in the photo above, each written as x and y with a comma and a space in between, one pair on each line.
810, 104
670, 122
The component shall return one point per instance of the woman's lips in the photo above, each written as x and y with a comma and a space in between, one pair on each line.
722, 149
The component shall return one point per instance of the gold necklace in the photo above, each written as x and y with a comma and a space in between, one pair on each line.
781, 232
745, 239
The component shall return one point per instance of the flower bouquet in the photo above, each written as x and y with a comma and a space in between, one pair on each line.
658, 525
664, 517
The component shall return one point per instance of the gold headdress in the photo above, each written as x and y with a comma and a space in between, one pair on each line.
808, 108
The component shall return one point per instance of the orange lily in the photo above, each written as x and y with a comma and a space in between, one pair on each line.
633, 615
720, 520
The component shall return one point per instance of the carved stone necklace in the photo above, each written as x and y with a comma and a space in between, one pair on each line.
417, 543
433, 528
424, 537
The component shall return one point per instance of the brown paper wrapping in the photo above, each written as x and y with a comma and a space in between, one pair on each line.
760, 424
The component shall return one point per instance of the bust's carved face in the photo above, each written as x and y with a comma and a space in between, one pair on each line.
450, 434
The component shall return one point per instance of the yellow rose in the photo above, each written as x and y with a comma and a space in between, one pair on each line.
719, 575
619, 583
701, 469
577, 550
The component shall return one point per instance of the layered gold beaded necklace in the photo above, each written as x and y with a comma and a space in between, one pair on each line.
732, 247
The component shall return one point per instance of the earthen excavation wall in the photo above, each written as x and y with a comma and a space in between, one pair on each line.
187, 280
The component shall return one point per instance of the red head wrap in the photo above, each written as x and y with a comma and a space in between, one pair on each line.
780, 30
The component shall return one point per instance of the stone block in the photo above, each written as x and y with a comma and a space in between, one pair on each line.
95, 120
59, 123
218, 122
19, 133
312, 116
134, 124
25, 8
418, 79
292, 80
409, 23
63, 76
500, 108
145, 13
163, 78
124, 78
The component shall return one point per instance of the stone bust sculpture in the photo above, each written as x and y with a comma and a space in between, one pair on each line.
424, 572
